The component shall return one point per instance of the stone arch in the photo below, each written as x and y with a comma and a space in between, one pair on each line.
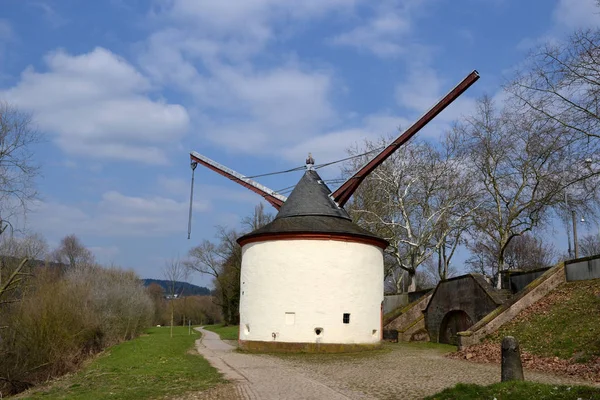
453, 322
469, 293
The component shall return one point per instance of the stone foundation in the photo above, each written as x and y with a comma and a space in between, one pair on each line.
290, 347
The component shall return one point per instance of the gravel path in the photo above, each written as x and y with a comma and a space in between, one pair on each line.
400, 371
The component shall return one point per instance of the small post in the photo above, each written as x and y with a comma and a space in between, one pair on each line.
512, 369
189, 327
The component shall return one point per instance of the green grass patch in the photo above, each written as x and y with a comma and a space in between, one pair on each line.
517, 391
564, 324
151, 366
229, 332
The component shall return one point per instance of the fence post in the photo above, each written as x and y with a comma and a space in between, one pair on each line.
512, 369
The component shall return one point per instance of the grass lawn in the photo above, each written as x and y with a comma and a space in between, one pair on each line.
564, 324
151, 366
230, 332
517, 391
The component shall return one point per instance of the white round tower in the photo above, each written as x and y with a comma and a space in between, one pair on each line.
311, 280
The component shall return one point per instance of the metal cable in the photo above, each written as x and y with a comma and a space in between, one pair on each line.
278, 172
348, 158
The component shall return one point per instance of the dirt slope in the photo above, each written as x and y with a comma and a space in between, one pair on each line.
560, 333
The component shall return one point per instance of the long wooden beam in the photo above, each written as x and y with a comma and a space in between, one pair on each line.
344, 192
274, 198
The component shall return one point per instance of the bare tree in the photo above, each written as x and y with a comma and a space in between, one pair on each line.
18, 168
524, 252
527, 252
223, 262
589, 245
12, 281
258, 219
561, 81
431, 268
33, 246
523, 164
72, 254
175, 273
419, 200
16, 259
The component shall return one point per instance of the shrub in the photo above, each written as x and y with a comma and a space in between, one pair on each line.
61, 321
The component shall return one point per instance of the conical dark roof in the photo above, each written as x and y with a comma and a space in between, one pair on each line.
309, 210
311, 197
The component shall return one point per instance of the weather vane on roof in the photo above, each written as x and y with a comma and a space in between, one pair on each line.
310, 161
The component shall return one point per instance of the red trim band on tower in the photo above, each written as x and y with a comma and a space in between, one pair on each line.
342, 237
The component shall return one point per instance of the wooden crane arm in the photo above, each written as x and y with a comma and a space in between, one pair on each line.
344, 192
274, 198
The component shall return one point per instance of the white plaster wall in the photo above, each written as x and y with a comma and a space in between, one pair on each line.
319, 281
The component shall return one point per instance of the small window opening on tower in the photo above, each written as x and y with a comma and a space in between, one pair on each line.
318, 331
346, 318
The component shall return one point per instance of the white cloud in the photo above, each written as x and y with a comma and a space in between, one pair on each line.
568, 15
386, 32
116, 215
242, 108
239, 28
333, 145
422, 89
96, 104
262, 111
205, 50
577, 14
181, 189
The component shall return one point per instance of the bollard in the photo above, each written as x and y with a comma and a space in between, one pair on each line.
512, 369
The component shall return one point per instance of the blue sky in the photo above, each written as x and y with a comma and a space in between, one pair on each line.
124, 89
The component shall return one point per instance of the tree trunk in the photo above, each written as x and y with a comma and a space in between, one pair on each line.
225, 309
442, 263
412, 282
500, 269
172, 316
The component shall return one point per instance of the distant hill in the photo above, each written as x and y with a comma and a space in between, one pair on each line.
188, 288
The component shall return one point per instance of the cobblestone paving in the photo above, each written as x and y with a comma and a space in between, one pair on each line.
400, 371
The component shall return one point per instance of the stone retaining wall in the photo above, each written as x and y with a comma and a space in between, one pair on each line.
410, 314
583, 269
505, 313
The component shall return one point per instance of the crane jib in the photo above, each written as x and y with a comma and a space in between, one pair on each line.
345, 191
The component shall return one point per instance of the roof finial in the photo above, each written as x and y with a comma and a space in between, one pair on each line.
310, 162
